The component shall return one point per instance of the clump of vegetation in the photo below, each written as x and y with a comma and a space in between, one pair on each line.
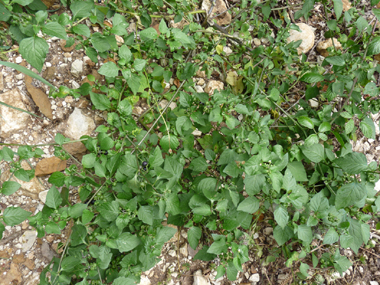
258, 154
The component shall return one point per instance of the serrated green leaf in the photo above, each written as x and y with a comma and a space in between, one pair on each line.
349, 127
312, 77
352, 163
81, 9
145, 214
109, 211
15, 215
82, 30
349, 194
57, 179
139, 64
125, 53
324, 127
336, 60
148, 34
298, 171
314, 152
305, 234
374, 46
193, 236
100, 101
55, 30
203, 255
199, 164
23, 2
338, 8
4, 13
124, 108
53, 198
282, 235
164, 234
163, 28
34, 50
109, 69
169, 142
156, 159
10, 187
88, 160
126, 242
218, 247
331, 237
253, 184
367, 126
99, 42
69, 263
281, 216
371, 89
76, 210
249, 205
183, 123
133, 80
306, 122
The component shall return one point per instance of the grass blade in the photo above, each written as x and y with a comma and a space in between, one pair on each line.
27, 72
21, 110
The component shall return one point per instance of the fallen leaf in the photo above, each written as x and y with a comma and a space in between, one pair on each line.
39, 97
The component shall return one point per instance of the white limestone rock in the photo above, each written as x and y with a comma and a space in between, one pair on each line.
77, 67
12, 120
199, 279
307, 36
79, 125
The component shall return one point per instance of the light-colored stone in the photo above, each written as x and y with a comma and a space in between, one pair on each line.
307, 36
164, 102
213, 85
373, 283
180, 24
313, 103
75, 85
218, 9
47, 252
254, 277
79, 125
201, 73
49, 165
42, 196
12, 120
199, 89
257, 42
227, 50
196, 133
77, 67
119, 40
346, 5
183, 250
323, 46
199, 279
282, 276
12, 276
27, 240
268, 231
144, 281
137, 110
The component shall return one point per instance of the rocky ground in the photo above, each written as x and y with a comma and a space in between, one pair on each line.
23, 255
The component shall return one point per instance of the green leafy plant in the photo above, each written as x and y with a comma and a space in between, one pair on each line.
257, 153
